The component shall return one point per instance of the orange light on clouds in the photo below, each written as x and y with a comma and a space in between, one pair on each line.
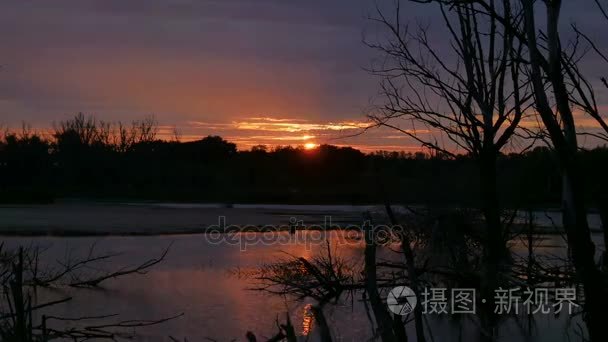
273, 132
286, 126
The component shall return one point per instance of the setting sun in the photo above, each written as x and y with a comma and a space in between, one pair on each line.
310, 146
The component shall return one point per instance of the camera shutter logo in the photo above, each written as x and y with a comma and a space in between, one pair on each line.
401, 300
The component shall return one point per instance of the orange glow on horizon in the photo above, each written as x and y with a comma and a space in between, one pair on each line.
310, 146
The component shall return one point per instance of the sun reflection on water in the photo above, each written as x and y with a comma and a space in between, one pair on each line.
307, 320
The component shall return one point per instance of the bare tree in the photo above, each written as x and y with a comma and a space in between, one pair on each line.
324, 279
554, 77
83, 128
549, 69
560, 124
88, 131
582, 95
472, 98
145, 129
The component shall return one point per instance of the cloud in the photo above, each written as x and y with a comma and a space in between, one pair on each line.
284, 125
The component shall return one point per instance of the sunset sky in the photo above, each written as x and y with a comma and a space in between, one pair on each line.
273, 72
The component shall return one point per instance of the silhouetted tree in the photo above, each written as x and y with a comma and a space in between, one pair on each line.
548, 66
474, 95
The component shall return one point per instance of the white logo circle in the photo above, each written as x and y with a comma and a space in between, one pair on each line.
401, 300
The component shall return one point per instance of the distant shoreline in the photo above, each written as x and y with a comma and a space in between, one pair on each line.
80, 219
141, 219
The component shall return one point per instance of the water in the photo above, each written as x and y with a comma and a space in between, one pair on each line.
208, 283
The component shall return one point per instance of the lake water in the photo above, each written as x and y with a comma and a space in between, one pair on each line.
206, 281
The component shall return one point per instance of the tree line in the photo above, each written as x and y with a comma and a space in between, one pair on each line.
86, 157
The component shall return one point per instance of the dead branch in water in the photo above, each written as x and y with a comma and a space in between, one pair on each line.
21, 274
140, 269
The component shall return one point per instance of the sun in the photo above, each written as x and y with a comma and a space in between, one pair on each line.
310, 146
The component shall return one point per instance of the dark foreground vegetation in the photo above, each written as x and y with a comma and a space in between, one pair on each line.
85, 157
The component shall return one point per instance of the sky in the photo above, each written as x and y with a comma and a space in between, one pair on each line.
273, 72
